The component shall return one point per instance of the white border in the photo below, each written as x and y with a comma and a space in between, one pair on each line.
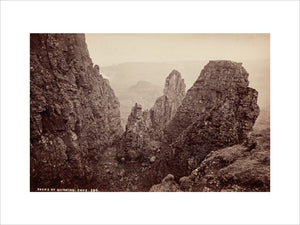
280, 206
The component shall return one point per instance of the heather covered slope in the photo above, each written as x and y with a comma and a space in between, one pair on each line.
74, 113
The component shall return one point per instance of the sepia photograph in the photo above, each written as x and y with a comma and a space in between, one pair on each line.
149, 112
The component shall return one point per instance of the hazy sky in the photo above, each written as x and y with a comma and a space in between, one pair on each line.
108, 49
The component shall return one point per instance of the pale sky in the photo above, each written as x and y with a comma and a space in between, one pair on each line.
108, 49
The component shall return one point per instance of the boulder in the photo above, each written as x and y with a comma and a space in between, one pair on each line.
168, 184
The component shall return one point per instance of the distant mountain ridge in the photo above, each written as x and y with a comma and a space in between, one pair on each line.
124, 75
142, 86
127, 74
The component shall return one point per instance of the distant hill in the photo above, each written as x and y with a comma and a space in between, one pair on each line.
143, 92
144, 86
127, 74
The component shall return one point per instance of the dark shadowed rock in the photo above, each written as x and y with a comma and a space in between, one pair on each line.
74, 113
136, 136
217, 111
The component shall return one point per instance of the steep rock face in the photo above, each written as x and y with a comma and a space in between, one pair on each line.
166, 106
74, 113
217, 111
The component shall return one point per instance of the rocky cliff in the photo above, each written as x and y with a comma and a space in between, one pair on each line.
74, 113
217, 111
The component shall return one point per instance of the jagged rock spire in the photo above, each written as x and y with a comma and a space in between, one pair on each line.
174, 86
165, 107
143, 126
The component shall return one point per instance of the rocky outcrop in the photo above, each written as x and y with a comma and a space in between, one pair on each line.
217, 111
166, 106
174, 89
74, 113
136, 137
243, 167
